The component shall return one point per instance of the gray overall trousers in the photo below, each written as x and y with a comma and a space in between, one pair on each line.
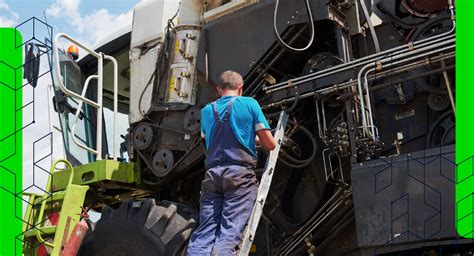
228, 192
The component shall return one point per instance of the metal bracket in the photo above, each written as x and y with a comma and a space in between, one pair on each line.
379, 66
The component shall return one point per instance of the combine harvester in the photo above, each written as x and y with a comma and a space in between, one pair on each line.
366, 159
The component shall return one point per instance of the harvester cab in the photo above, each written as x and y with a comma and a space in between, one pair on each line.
94, 171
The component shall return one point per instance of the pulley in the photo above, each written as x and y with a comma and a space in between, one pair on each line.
192, 120
143, 136
163, 162
438, 102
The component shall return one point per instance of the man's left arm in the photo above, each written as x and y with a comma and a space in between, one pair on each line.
262, 129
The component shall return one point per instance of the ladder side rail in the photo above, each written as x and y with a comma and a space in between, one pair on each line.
263, 189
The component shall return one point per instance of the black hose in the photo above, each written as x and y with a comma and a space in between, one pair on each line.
299, 163
291, 108
159, 65
150, 183
295, 103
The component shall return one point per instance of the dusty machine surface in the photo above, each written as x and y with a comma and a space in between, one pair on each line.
367, 163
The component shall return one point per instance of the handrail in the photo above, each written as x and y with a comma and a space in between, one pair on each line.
57, 69
81, 98
76, 117
115, 144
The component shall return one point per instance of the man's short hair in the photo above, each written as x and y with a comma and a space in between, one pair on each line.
230, 80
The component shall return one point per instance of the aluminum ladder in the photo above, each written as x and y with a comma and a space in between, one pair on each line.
265, 182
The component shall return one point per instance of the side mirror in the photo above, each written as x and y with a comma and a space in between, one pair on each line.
32, 63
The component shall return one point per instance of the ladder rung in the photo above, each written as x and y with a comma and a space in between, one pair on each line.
56, 196
50, 230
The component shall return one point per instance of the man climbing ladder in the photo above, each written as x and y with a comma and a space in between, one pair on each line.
230, 126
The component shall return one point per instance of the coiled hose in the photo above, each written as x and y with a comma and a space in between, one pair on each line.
292, 162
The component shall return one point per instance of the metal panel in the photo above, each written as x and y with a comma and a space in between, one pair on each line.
150, 19
227, 8
238, 40
408, 198
142, 68
97, 171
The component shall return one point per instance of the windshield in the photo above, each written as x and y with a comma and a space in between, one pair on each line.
122, 126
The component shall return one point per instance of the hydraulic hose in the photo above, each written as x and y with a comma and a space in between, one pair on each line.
371, 26
311, 21
299, 163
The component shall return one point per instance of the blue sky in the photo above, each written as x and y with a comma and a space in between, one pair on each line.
87, 20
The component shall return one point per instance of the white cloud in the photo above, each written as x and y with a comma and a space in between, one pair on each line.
37, 130
101, 23
68, 8
91, 27
6, 22
10, 18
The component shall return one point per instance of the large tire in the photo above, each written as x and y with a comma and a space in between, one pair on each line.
141, 229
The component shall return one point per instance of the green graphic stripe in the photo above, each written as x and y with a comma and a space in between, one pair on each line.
10, 141
464, 119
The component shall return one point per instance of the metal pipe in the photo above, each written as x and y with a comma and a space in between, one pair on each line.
371, 26
347, 220
100, 73
331, 201
448, 87
52, 127
380, 63
344, 67
320, 216
78, 112
366, 85
81, 98
349, 84
322, 136
399, 50
413, 77
57, 69
115, 137
417, 64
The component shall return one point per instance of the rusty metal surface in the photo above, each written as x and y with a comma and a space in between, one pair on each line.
425, 8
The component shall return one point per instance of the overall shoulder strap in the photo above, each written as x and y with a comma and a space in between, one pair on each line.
216, 113
228, 109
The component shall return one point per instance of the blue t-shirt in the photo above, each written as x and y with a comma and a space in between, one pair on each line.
246, 119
